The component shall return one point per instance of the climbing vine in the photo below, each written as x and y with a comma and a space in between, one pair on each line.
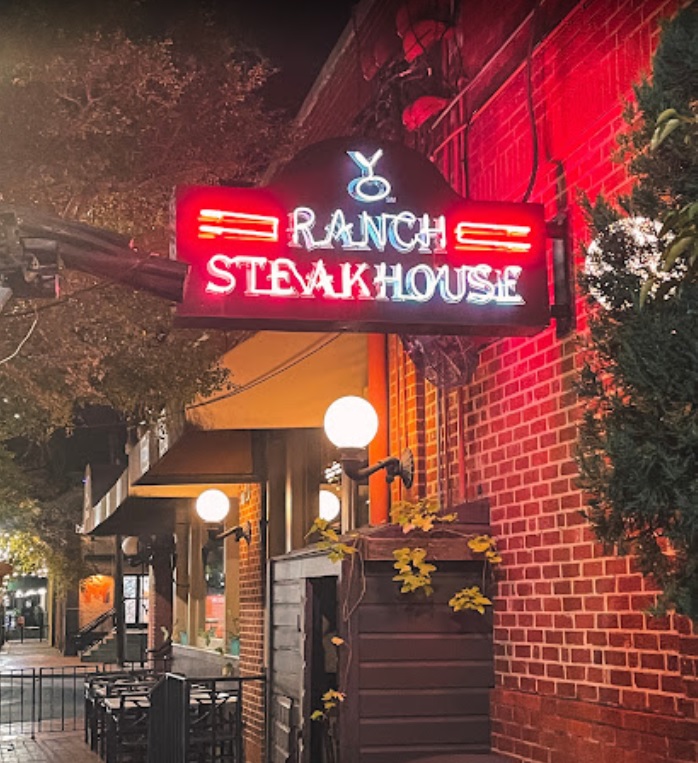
421, 515
414, 572
469, 598
337, 549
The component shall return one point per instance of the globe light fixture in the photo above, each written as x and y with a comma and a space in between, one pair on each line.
350, 424
213, 506
329, 505
129, 545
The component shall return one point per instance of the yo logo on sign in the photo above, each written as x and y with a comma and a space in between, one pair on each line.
368, 187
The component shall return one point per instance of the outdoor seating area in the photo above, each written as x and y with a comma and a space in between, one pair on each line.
134, 717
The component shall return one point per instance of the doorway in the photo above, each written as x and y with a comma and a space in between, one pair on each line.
323, 660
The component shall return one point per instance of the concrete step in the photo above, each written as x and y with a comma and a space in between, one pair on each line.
105, 651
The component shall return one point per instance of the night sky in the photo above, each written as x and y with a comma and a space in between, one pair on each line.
299, 40
296, 35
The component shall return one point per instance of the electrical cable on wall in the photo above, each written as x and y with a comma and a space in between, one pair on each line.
465, 160
267, 376
531, 109
484, 69
18, 349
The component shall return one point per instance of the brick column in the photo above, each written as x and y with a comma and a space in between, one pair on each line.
252, 570
160, 601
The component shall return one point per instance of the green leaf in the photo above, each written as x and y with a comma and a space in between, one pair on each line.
663, 132
675, 251
665, 115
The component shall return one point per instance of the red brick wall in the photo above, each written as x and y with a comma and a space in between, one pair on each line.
582, 673
161, 592
334, 107
252, 574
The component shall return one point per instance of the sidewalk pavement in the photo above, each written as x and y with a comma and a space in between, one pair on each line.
48, 747
58, 747
15, 655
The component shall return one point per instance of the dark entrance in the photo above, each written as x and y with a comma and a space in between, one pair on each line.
322, 627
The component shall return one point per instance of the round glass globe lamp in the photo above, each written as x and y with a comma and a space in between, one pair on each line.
213, 505
129, 545
351, 422
329, 505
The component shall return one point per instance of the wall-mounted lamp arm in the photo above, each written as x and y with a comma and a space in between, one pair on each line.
403, 467
239, 531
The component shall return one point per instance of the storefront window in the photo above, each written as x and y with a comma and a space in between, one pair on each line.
214, 573
136, 588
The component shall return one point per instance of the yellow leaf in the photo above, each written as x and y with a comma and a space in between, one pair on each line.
337, 641
480, 543
493, 557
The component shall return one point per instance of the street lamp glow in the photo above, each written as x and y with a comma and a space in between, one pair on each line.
351, 422
329, 505
213, 505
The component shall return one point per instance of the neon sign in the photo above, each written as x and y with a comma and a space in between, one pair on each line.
360, 237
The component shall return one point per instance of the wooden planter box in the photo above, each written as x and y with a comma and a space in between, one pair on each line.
417, 676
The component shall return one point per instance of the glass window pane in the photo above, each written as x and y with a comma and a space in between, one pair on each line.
130, 611
214, 567
130, 587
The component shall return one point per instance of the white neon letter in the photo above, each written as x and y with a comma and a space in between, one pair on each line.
349, 280
429, 283
382, 280
280, 278
443, 275
368, 187
404, 218
481, 289
338, 229
302, 221
218, 268
506, 286
252, 266
435, 231
372, 229
320, 280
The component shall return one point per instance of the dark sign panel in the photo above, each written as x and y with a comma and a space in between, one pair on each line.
360, 236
